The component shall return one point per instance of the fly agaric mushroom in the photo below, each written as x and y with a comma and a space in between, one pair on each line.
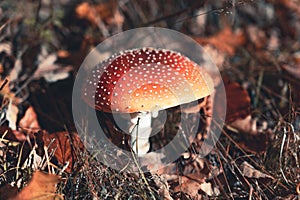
141, 82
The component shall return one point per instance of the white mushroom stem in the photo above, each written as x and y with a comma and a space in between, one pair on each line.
140, 129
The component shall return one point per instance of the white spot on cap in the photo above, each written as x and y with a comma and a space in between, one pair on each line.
139, 69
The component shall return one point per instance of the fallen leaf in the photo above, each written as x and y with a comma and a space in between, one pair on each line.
29, 119
86, 11
256, 144
8, 134
293, 70
48, 69
12, 115
250, 172
239, 119
57, 75
65, 146
246, 125
216, 56
195, 164
8, 192
163, 186
190, 187
28, 125
98, 14
282, 18
225, 41
207, 188
150, 157
257, 36
6, 47
237, 98
42, 186
292, 4
251, 139
92, 12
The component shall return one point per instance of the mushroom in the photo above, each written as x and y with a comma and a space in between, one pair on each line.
140, 83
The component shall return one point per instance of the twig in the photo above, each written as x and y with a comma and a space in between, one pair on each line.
258, 88
189, 9
19, 161
142, 175
3, 84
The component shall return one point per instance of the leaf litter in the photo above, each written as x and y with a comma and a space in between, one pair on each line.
255, 45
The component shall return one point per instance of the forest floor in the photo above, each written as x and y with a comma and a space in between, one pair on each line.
255, 46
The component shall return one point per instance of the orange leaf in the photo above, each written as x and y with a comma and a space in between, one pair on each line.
42, 186
225, 41
65, 145
238, 101
92, 13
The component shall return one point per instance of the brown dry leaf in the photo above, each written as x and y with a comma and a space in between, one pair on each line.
42, 186
27, 123
197, 165
238, 118
292, 4
256, 144
257, 36
101, 14
225, 41
246, 125
8, 134
49, 69
66, 146
164, 188
216, 56
293, 70
238, 101
250, 172
252, 140
7, 192
207, 188
14, 135
92, 13
29, 119
190, 187
86, 11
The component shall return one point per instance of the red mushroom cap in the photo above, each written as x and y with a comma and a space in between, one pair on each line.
145, 79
